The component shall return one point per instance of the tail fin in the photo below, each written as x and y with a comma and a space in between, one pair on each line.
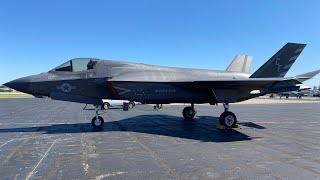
241, 63
280, 63
307, 76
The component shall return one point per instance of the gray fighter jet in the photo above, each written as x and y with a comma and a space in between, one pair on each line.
89, 80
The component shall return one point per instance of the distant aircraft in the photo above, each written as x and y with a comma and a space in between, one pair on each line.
89, 80
298, 93
302, 89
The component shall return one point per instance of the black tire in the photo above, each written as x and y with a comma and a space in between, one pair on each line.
97, 122
228, 119
105, 106
131, 105
125, 106
188, 113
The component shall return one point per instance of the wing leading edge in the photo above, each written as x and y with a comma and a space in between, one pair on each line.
250, 84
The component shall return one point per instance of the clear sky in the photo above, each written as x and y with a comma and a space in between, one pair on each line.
36, 36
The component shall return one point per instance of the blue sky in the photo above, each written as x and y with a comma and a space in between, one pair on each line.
36, 36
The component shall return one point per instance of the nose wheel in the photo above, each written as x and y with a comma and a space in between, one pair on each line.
97, 121
228, 118
189, 112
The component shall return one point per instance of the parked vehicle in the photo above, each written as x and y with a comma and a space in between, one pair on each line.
107, 103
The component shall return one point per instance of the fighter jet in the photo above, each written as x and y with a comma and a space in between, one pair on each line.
89, 80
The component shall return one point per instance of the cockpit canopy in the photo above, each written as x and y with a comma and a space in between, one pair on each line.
76, 65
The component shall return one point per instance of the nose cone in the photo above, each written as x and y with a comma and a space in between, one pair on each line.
21, 84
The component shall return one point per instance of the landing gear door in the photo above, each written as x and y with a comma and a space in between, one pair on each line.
214, 97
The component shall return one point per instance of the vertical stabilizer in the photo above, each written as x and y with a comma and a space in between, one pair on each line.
241, 63
280, 63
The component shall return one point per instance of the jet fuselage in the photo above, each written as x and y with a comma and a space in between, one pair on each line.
134, 82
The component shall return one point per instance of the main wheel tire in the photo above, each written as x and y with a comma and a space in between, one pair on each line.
188, 113
105, 106
131, 105
228, 119
97, 122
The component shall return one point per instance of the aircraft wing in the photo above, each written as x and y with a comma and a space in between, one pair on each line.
235, 90
248, 83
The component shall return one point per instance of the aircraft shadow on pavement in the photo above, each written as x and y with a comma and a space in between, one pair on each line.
204, 128
252, 125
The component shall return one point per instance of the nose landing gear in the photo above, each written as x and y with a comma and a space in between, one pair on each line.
228, 118
97, 121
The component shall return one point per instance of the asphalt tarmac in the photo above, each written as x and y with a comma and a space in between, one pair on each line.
45, 139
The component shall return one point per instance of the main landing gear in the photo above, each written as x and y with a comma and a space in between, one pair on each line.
227, 118
189, 112
97, 121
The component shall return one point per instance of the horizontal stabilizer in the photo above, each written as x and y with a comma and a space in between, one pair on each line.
280, 63
241, 63
307, 76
